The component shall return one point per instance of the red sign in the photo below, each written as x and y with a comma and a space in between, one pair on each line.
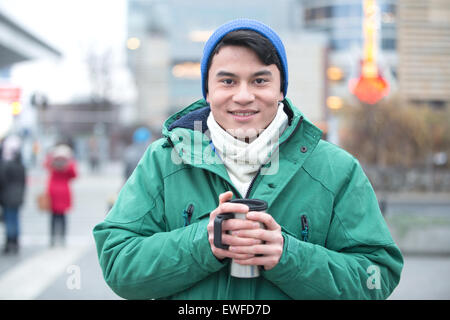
10, 94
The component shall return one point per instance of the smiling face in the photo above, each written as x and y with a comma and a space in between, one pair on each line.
243, 92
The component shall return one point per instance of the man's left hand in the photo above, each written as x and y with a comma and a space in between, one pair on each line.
271, 246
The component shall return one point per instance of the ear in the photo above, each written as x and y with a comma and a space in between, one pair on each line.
280, 96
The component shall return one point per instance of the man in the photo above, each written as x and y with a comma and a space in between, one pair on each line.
12, 190
323, 237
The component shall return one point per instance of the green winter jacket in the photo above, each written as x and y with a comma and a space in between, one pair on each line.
153, 243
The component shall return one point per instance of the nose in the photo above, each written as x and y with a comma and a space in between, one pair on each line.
243, 95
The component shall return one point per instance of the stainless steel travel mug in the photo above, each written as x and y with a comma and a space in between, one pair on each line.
238, 270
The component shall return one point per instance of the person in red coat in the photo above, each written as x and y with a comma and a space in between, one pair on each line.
62, 169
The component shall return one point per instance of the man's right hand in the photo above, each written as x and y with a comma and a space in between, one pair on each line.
231, 225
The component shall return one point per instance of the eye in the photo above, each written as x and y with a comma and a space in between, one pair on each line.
227, 81
260, 81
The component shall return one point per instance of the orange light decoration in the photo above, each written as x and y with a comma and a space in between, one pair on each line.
370, 87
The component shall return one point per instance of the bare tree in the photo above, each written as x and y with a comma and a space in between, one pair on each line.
100, 67
392, 133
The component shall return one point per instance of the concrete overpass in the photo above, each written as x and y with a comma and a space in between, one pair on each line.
18, 44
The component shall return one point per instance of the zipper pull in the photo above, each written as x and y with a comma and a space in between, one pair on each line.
187, 214
304, 228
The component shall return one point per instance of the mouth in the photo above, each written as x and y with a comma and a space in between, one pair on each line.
243, 115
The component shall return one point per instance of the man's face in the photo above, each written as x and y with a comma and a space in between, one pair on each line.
242, 91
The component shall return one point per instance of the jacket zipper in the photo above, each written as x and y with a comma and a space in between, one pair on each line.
305, 228
252, 183
187, 214
259, 170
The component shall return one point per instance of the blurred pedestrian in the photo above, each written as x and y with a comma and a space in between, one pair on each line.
1, 160
94, 154
12, 190
35, 150
134, 152
62, 169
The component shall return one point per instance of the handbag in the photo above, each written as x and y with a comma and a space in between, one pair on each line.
43, 201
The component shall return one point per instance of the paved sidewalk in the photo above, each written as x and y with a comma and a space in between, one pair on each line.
41, 272
424, 278
72, 273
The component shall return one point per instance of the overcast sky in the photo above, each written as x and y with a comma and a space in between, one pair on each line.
70, 23
71, 26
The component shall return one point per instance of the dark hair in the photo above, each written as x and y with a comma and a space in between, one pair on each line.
253, 40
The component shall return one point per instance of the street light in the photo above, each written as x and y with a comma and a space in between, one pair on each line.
334, 102
187, 69
335, 74
133, 43
16, 108
200, 35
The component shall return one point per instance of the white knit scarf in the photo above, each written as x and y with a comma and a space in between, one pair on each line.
242, 160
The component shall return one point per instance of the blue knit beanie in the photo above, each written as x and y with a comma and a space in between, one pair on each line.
244, 24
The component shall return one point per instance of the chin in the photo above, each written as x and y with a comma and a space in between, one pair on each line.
242, 132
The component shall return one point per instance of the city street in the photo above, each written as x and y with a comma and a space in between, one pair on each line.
72, 272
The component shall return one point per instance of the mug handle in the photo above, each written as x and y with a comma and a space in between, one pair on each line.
218, 229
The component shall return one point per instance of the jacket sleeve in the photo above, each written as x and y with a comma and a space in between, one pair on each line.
72, 170
139, 257
359, 260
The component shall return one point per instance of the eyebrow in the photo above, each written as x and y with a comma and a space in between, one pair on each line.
262, 73
256, 74
225, 74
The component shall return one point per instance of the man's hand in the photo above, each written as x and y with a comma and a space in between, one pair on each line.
232, 225
270, 244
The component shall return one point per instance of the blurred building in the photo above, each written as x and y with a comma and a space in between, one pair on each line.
80, 122
342, 21
166, 39
424, 51
17, 44
82, 96
148, 59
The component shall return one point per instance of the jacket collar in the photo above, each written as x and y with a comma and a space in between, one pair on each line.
199, 111
194, 119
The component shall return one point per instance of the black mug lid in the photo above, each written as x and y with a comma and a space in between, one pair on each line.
253, 204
